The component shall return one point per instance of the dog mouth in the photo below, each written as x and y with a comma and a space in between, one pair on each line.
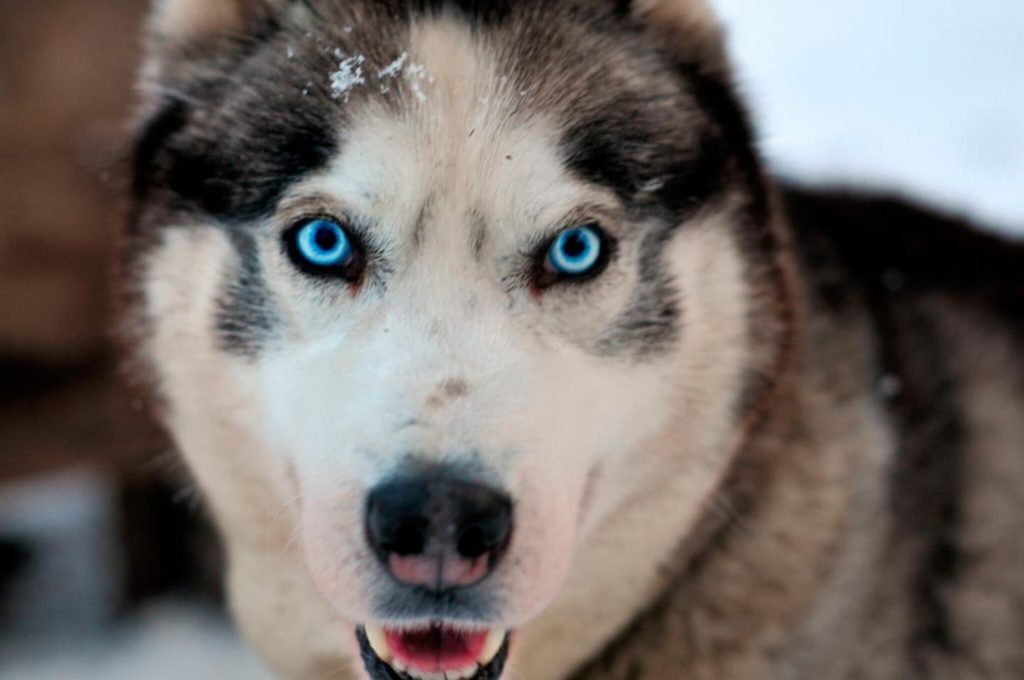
433, 652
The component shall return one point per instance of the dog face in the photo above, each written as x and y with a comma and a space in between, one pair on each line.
429, 291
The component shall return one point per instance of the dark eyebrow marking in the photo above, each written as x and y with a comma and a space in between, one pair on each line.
240, 174
689, 182
233, 168
643, 163
593, 152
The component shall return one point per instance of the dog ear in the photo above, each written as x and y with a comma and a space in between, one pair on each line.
689, 29
185, 20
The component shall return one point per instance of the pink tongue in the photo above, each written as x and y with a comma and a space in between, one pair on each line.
436, 649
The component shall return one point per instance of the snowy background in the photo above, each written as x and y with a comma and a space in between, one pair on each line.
924, 96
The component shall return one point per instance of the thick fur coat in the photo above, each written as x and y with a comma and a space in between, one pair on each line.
772, 433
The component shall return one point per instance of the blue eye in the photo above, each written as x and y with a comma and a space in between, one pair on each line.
576, 251
321, 244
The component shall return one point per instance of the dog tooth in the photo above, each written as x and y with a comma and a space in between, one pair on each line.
379, 642
492, 646
424, 675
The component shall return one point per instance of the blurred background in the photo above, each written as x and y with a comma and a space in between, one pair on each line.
107, 567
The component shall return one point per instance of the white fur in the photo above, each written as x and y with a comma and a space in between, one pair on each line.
287, 446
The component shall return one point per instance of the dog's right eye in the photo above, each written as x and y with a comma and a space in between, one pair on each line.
575, 252
324, 247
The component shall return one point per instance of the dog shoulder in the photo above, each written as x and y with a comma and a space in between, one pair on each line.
945, 302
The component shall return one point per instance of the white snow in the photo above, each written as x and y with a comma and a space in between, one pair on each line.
415, 74
348, 75
926, 96
392, 69
653, 185
167, 641
58, 613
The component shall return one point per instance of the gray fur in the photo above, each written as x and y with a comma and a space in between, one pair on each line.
869, 525
246, 319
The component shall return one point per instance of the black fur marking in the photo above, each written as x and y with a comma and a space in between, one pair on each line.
652, 319
889, 254
419, 229
902, 246
689, 183
239, 177
233, 171
652, 160
641, 164
927, 482
246, 124
623, 8
596, 151
255, 123
478, 233
654, 172
169, 120
245, 319
771, 320
733, 131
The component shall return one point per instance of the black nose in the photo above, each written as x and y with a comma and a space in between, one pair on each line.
438, 531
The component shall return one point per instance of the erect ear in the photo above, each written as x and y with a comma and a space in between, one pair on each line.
689, 29
184, 20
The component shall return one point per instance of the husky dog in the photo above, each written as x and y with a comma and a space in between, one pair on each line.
497, 354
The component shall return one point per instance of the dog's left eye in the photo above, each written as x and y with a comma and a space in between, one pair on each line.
323, 246
576, 252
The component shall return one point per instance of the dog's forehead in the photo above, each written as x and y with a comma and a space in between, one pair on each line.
466, 146
399, 107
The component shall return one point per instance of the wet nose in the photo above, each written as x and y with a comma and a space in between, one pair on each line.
438, 532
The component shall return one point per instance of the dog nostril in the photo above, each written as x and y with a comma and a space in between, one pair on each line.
472, 543
396, 519
408, 540
485, 535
